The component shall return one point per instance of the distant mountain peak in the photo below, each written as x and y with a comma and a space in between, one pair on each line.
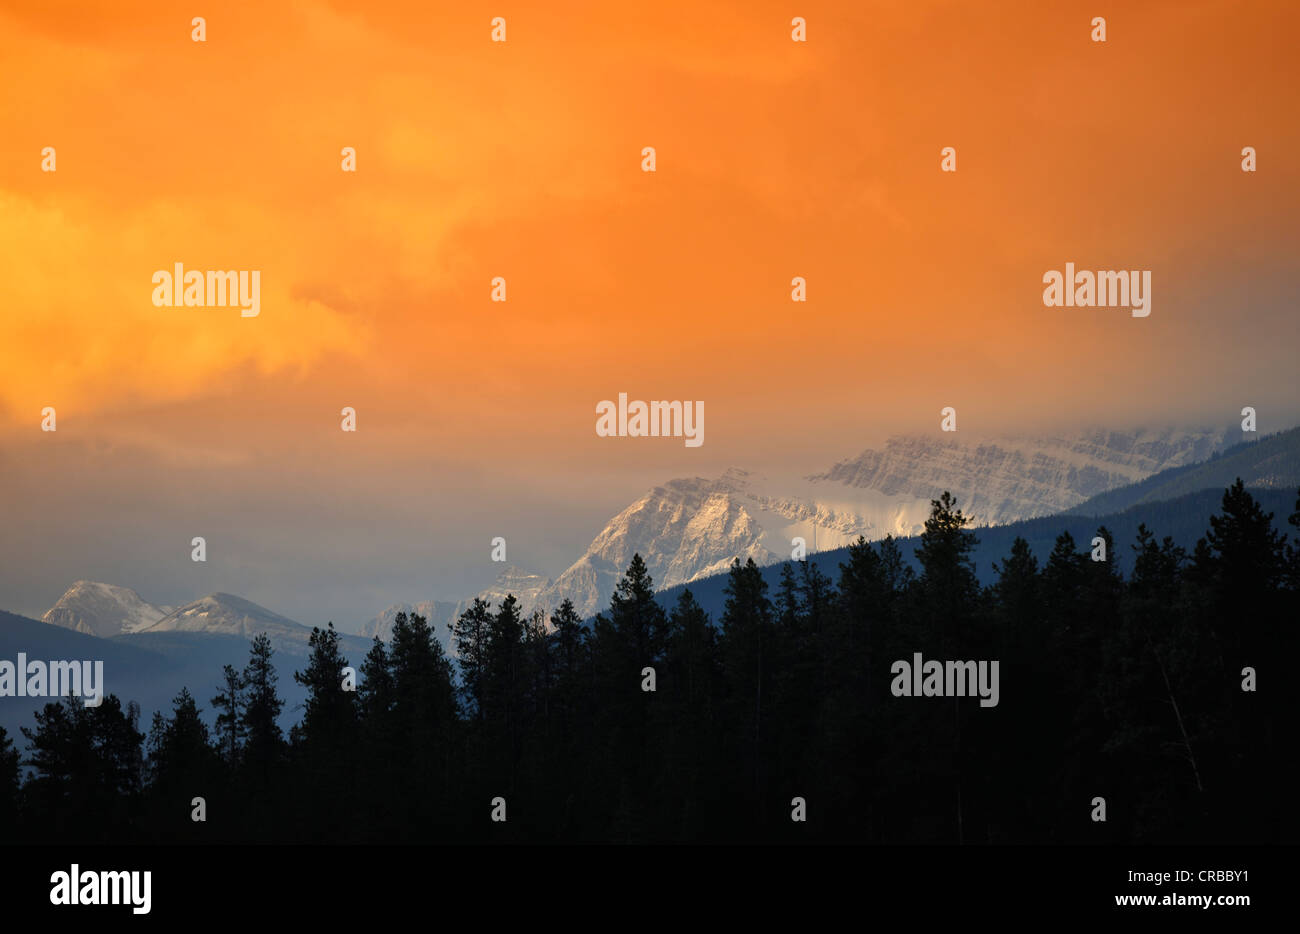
526, 586
104, 610
1007, 479
227, 614
692, 527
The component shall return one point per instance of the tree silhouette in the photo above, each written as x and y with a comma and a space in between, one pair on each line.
1161, 691
230, 722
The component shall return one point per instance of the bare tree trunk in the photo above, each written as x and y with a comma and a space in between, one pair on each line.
1173, 702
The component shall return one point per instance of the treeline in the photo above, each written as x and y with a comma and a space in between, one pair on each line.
1164, 695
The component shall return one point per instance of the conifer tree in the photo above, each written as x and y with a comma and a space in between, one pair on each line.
1248, 550
179, 749
423, 719
502, 671
636, 616
746, 642
264, 745
947, 573
571, 652
375, 691
230, 721
379, 743
570, 639
182, 764
687, 718
329, 716
472, 632
949, 593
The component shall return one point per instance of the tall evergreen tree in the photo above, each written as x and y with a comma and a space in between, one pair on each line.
472, 632
571, 639
325, 741
379, 744
230, 721
330, 712
571, 713
949, 592
626, 642
179, 749
1248, 550
423, 718
264, 746
504, 662
182, 765
947, 572
1245, 558
504, 685
686, 718
747, 635
637, 617
375, 692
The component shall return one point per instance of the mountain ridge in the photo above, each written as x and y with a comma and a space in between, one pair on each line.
688, 528
1271, 462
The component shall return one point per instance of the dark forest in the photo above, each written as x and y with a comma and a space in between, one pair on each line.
1163, 694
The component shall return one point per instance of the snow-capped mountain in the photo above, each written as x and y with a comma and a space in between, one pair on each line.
439, 613
109, 611
1008, 480
227, 615
103, 610
685, 529
525, 586
692, 528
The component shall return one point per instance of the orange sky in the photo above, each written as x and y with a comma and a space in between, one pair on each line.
775, 159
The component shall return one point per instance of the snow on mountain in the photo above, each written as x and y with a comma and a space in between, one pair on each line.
690, 528
525, 586
439, 613
108, 611
103, 610
227, 615
687, 529
1008, 480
